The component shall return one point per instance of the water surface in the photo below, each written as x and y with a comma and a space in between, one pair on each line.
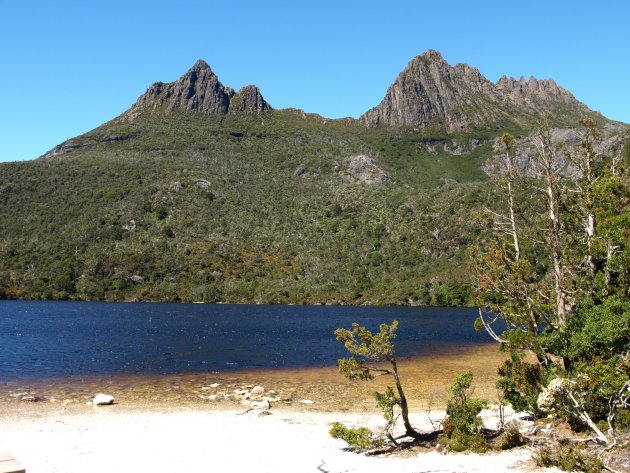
41, 339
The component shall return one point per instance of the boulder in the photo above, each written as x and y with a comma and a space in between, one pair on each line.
364, 169
175, 186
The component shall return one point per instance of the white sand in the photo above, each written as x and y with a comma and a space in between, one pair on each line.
112, 439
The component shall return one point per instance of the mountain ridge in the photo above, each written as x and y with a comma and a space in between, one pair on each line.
428, 94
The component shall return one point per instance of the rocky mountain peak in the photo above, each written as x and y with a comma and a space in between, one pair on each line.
200, 64
431, 92
198, 90
431, 55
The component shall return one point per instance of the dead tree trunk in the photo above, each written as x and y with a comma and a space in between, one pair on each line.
547, 164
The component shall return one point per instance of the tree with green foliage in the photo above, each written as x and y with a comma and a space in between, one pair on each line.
558, 277
366, 350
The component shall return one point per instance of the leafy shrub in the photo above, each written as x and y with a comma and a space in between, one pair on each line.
512, 437
567, 458
462, 426
600, 330
520, 382
358, 438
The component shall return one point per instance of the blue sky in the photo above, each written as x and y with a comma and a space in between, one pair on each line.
68, 66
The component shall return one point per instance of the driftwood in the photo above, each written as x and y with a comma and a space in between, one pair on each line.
421, 439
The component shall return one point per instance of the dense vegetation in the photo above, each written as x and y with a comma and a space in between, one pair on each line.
559, 280
552, 283
241, 208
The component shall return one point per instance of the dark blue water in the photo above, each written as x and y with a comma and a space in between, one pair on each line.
54, 339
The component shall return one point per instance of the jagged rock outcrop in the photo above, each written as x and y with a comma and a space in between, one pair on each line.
538, 96
609, 143
74, 145
249, 99
363, 169
198, 90
432, 92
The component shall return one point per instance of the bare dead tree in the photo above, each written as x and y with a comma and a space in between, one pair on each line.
549, 167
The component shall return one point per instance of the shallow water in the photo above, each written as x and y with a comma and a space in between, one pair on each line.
425, 378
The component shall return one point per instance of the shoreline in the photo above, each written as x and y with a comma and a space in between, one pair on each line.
165, 424
426, 379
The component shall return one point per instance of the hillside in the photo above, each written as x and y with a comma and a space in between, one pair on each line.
201, 193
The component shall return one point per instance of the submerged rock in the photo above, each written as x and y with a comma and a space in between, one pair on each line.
257, 390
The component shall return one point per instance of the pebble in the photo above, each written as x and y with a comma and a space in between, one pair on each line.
271, 399
211, 386
257, 390
30, 398
103, 400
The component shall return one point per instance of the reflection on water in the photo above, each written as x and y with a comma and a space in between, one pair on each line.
79, 339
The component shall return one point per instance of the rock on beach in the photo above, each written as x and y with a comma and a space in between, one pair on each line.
103, 400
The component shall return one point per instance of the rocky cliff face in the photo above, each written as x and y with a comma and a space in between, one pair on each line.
432, 92
198, 90
248, 99
537, 95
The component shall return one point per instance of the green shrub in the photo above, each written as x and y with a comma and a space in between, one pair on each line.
358, 439
567, 458
462, 426
520, 382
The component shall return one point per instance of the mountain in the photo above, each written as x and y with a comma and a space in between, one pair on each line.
430, 92
198, 90
200, 193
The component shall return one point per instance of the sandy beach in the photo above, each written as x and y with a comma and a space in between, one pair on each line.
118, 439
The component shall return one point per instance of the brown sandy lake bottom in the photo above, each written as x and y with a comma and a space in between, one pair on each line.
425, 378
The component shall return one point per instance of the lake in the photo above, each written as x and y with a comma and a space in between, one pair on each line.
42, 339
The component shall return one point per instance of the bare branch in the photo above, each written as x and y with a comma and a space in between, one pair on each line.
489, 329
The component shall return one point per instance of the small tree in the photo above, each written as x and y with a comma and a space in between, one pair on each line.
366, 349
